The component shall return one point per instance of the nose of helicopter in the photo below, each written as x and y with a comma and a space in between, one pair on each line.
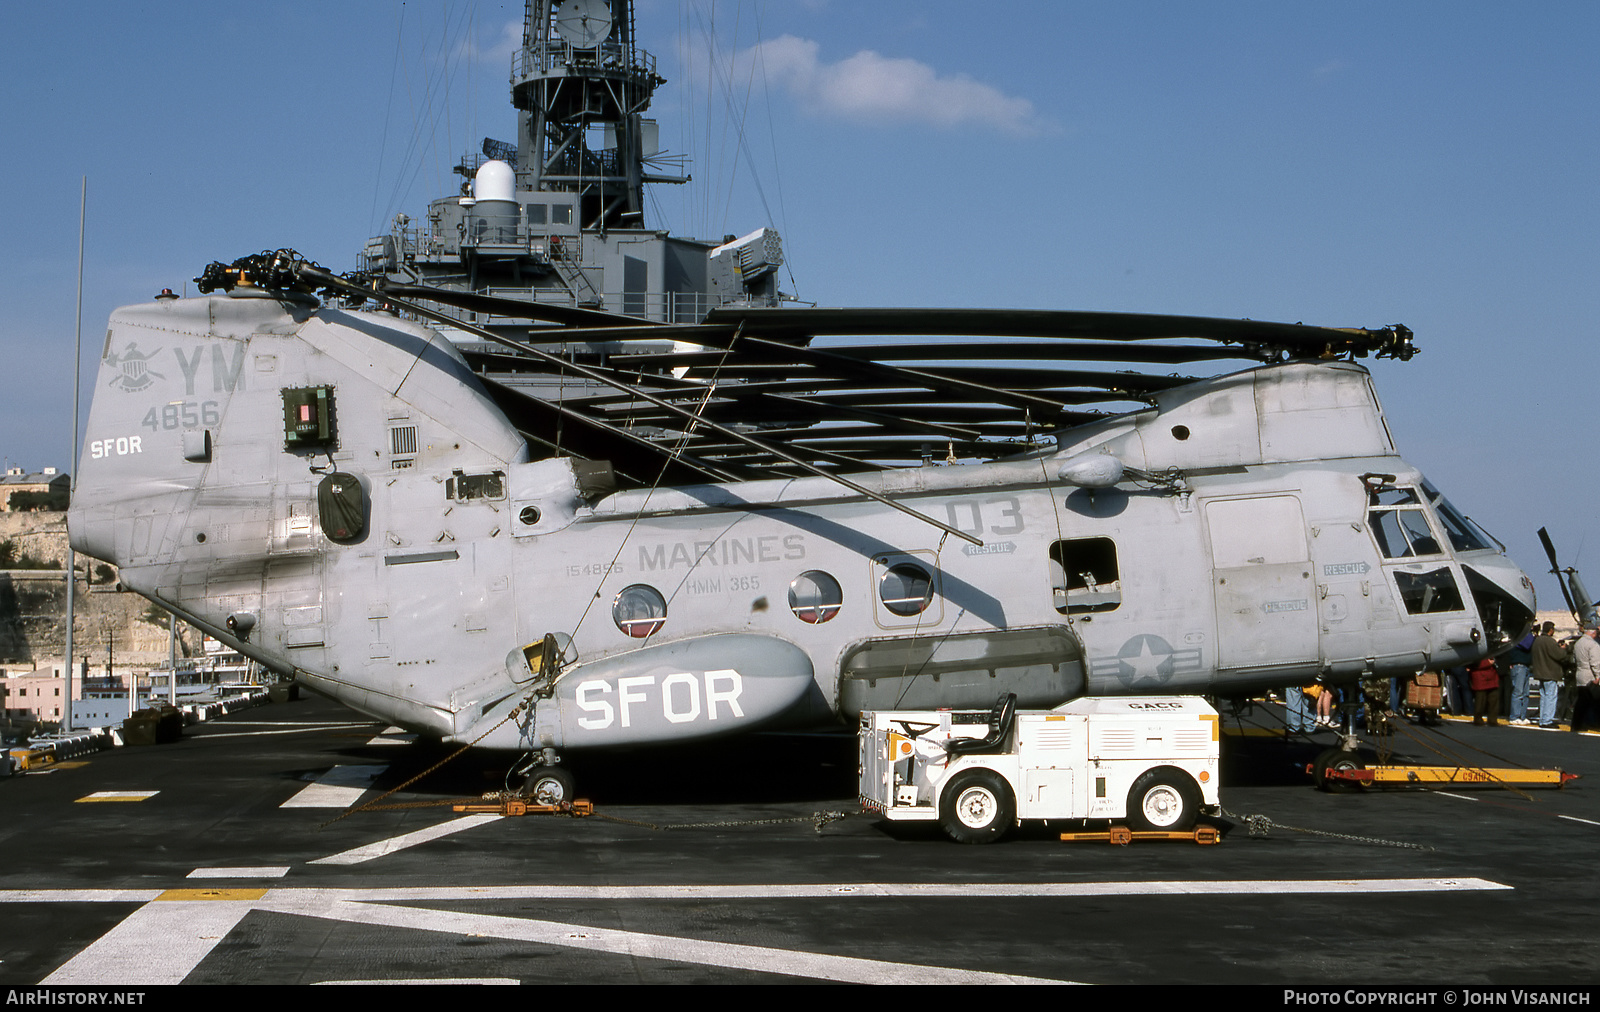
1504, 596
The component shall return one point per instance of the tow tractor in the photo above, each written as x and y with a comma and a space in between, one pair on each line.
1148, 760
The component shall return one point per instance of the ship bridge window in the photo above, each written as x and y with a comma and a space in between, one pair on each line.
1400, 524
476, 486
560, 214
535, 213
1084, 576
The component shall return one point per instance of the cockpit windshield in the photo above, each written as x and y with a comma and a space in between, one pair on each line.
1464, 535
1399, 523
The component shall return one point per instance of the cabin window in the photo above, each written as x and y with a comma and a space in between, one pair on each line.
1400, 524
639, 610
535, 213
560, 214
906, 588
1084, 577
476, 486
815, 597
1430, 592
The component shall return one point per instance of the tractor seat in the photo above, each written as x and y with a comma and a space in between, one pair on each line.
1000, 717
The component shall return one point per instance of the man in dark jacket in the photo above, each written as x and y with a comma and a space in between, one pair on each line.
1520, 660
1549, 660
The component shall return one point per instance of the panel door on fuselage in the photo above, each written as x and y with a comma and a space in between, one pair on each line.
1266, 621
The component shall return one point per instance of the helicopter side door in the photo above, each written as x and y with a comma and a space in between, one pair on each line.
1264, 588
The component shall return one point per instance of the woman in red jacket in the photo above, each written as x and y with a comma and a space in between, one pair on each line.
1485, 680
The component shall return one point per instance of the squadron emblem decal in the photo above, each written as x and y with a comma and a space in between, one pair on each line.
136, 373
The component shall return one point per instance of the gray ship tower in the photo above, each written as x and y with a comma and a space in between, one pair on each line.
558, 222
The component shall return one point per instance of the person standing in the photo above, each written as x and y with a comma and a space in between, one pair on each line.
1485, 679
1520, 657
1548, 659
1586, 694
1297, 716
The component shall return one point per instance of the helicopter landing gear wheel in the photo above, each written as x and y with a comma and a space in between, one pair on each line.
549, 785
1163, 800
1334, 759
976, 808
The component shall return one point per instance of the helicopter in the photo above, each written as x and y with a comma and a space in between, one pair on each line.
750, 530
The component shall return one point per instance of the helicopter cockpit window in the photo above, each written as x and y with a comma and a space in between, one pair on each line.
1400, 524
1430, 592
1464, 535
1084, 576
476, 486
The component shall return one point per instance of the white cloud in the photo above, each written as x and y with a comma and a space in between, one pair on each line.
871, 87
496, 48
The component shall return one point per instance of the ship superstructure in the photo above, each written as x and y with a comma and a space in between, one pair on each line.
559, 217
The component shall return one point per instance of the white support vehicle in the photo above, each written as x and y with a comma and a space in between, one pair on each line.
1148, 760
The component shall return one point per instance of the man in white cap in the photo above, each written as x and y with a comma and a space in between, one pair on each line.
1586, 698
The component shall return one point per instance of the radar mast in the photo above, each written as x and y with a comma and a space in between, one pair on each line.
579, 71
558, 217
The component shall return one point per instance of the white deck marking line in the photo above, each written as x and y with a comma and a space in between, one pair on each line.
119, 796
297, 723
932, 890
264, 871
864, 890
160, 943
340, 787
1572, 818
79, 895
397, 843
814, 965
422, 980
294, 730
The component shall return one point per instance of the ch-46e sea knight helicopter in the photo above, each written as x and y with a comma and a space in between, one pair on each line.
811, 532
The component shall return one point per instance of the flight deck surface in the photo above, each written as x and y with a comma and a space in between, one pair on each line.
217, 860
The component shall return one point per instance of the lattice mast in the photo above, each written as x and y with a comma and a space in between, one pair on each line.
580, 80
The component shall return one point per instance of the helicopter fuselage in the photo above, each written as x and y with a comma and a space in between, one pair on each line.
333, 494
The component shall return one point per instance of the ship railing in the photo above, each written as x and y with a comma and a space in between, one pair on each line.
544, 57
657, 306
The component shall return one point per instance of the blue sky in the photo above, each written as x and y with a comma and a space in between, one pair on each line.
1350, 164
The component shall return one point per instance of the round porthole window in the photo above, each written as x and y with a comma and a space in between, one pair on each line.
639, 610
905, 588
815, 597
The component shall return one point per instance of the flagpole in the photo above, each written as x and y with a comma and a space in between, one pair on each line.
72, 458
